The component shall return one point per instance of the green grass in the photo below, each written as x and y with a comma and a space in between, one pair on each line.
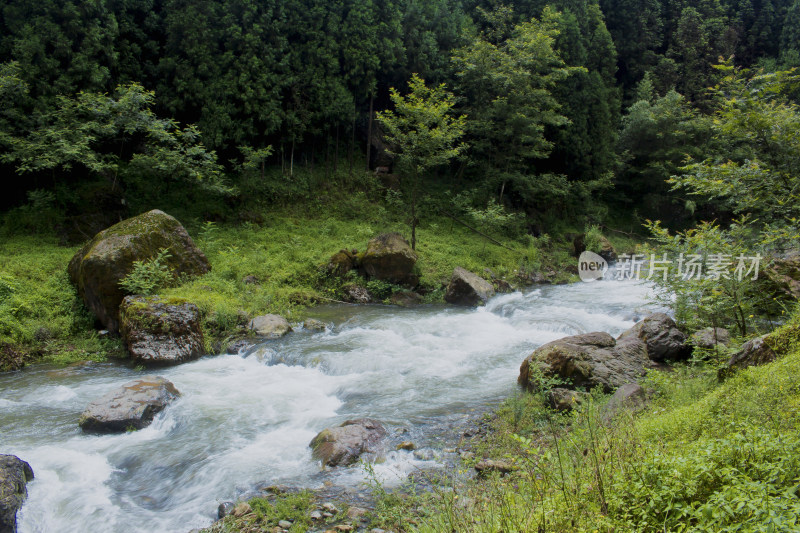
703, 456
286, 253
41, 317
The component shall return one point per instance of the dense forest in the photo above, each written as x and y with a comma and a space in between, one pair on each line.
125, 103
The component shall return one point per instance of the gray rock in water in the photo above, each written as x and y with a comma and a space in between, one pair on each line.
344, 444
131, 406
588, 360
14, 476
313, 324
160, 331
663, 338
224, 509
272, 326
710, 337
103, 262
469, 289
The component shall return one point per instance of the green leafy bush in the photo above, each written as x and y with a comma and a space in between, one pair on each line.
146, 278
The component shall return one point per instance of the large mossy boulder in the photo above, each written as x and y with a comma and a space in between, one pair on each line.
14, 477
103, 262
132, 406
663, 338
160, 331
389, 257
586, 361
466, 288
345, 444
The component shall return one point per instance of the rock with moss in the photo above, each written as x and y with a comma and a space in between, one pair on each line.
343, 262
343, 445
14, 477
562, 399
586, 361
161, 331
468, 289
602, 247
405, 298
130, 407
629, 396
663, 338
269, 326
99, 266
389, 257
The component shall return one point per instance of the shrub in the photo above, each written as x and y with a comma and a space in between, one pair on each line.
146, 278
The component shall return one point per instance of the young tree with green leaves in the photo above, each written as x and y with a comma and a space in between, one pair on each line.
425, 134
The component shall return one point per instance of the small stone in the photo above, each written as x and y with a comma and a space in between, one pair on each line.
326, 514
426, 454
377, 530
224, 509
328, 506
242, 509
343, 527
356, 513
315, 515
406, 445
312, 324
486, 466
285, 524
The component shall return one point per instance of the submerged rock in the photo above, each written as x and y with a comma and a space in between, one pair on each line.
588, 360
14, 476
103, 262
160, 331
132, 406
272, 326
344, 444
663, 338
469, 289
390, 258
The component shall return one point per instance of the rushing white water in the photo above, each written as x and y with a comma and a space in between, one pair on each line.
247, 419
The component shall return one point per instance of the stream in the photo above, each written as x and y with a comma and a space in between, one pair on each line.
247, 419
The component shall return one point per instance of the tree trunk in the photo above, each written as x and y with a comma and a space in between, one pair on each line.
291, 161
369, 130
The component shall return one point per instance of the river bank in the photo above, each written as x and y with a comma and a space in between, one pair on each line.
275, 266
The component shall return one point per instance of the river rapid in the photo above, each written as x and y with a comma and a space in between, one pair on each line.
246, 420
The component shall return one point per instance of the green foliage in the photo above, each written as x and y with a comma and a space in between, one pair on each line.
425, 133
150, 276
268, 511
702, 296
593, 238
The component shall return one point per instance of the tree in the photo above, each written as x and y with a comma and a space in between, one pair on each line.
424, 132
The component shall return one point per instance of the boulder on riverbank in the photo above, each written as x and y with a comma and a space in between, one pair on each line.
270, 326
160, 331
389, 257
752, 353
343, 445
784, 272
132, 406
588, 360
468, 289
604, 248
661, 335
14, 476
103, 262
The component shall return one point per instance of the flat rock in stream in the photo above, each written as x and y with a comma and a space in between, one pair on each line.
14, 476
131, 406
344, 444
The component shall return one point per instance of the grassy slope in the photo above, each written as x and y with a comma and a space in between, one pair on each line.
703, 456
